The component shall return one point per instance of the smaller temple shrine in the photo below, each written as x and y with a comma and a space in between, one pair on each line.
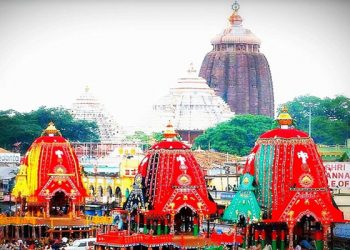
244, 203
291, 189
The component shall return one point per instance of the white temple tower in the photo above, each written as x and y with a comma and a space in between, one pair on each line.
192, 107
87, 107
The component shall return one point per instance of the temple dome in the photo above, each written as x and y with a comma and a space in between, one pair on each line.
236, 33
49, 166
172, 180
284, 134
290, 176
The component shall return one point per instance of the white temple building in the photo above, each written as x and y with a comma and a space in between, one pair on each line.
87, 107
191, 106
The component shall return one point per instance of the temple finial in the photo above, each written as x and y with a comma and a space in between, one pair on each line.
285, 109
191, 69
235, 6
51, 130
284, 119
169, 132
235, 18
87, 88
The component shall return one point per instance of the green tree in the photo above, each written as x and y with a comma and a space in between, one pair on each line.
72, 129
141, 138
157, 136
330, 117
236, 136
23, 128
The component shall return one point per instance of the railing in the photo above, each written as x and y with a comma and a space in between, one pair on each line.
17, 220
222, 195
21, 221
332, 146
99, 220
119, 238
224, 239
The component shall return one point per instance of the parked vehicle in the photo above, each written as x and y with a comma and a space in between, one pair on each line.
82, 244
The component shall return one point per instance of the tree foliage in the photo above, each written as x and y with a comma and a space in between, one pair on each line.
23, 128
330, 117
236, 136
144, 139
330, 125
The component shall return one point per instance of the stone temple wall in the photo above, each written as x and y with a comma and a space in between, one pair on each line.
242, 79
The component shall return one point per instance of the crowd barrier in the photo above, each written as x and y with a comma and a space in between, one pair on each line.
120, 239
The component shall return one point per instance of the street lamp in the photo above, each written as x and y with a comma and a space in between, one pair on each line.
129, 221
10, 202
227, 172
208, 226
10, 187
310, 119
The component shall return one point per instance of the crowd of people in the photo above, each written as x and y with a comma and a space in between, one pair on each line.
260, 247
43, 243
304, 244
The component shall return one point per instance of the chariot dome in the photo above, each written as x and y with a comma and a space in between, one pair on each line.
50, 176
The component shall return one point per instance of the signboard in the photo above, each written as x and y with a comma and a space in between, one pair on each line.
227, 195
8, 197
10, 158
342, 230
338, 174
